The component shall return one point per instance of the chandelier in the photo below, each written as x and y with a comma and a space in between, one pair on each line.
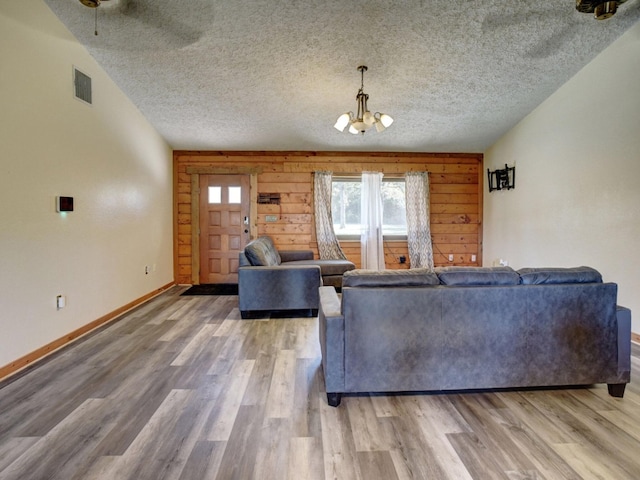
364, 119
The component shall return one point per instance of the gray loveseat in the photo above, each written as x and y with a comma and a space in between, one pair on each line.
280, 280
472, 328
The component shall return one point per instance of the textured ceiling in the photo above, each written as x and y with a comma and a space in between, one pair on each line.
275, 74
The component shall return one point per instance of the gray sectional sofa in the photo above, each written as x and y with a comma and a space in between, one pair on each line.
473, 328
281, 280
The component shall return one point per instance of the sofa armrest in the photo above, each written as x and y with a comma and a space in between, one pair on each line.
282, 287
331, 325
294, 255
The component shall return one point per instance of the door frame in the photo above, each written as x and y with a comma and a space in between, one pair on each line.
195, 173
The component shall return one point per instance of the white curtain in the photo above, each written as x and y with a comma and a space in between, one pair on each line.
371, 219
328, 245
418, 224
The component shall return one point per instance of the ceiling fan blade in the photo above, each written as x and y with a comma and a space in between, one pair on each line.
148, 13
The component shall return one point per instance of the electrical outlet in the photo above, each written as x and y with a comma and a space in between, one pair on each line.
451, 257
403, 259
473, 258
61, 302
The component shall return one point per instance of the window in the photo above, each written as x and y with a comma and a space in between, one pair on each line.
234, 194
345, 207
215, 195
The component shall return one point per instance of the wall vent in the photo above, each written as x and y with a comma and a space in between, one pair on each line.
269, 198
82, 86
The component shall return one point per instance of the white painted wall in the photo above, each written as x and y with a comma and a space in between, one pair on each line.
577, 195
107, 156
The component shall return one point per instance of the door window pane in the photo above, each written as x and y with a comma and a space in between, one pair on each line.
235, 194
215, 194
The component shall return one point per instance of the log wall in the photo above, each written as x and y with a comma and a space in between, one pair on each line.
456, 185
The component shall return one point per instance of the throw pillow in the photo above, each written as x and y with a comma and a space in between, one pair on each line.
540, 276
460, 276
415, 277
261, 252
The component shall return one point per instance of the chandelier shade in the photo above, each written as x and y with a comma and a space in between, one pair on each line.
363, 119
343, 121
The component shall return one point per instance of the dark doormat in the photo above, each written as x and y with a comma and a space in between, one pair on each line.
212, 289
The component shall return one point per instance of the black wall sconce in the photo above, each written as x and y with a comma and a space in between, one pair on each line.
64, 204
502, 179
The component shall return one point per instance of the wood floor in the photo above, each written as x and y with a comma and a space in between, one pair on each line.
182, 388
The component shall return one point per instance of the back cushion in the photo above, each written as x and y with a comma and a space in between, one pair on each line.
415, 277
540, 276
262, 252
460, 276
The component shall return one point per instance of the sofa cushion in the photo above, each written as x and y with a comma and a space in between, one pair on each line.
295, 255
460, 276
327, 267
539, 276
262, 252
415, 277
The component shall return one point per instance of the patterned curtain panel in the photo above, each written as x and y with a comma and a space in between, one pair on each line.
418, 224
371, 240
328, 245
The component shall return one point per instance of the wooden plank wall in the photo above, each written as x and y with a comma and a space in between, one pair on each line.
456, 185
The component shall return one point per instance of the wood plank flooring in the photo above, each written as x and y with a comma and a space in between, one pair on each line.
183, 388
